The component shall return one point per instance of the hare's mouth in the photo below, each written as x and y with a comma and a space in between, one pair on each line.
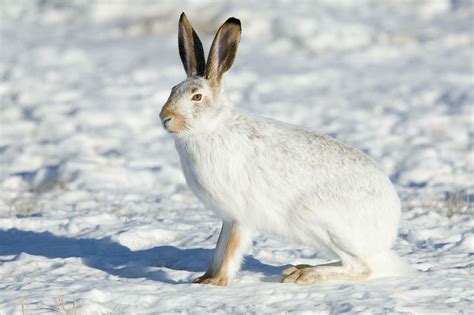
174, 124
165, 123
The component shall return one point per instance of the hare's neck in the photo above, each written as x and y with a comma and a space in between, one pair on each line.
197, 144
207, 124
199, 157
208, 139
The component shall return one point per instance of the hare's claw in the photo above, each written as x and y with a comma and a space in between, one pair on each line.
219, 281
304, 275
206, 279
200, 279
292, 269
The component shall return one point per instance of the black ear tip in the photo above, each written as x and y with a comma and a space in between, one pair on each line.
233, 20
182, 16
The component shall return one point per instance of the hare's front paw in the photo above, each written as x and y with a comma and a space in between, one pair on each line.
218, 280
202, 278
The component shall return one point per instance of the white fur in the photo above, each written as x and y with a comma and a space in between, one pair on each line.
268, 176
300, 185
244, 236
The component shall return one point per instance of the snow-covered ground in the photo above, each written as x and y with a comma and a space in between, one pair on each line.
95, 215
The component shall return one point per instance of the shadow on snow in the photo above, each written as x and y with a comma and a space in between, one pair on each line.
109, 256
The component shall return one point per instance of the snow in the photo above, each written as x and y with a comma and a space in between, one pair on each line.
95, 215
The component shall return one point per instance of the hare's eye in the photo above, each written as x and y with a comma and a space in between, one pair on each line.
197, 97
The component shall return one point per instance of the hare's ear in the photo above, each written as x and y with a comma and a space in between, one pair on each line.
223, 51
190, 48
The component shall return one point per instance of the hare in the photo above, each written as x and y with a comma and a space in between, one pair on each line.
259, 174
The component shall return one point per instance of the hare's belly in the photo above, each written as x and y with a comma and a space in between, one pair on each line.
219, 198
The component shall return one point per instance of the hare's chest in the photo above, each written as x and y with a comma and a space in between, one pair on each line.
212, 176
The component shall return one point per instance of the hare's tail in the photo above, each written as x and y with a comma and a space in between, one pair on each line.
388, 264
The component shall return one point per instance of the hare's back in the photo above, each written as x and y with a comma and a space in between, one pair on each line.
290, 144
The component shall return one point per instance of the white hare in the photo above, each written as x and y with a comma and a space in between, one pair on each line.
263, 175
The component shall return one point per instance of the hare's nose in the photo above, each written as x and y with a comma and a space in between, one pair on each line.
166, 120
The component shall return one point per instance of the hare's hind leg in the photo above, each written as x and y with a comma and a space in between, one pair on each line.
350, 268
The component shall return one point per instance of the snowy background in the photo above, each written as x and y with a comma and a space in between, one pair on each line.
95, 215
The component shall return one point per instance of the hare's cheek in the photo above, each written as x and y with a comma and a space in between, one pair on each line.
205, 101
200, 107
178, 123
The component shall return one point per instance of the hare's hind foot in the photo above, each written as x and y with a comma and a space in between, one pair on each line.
305, 274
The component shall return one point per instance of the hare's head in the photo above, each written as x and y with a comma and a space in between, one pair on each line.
194, 104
